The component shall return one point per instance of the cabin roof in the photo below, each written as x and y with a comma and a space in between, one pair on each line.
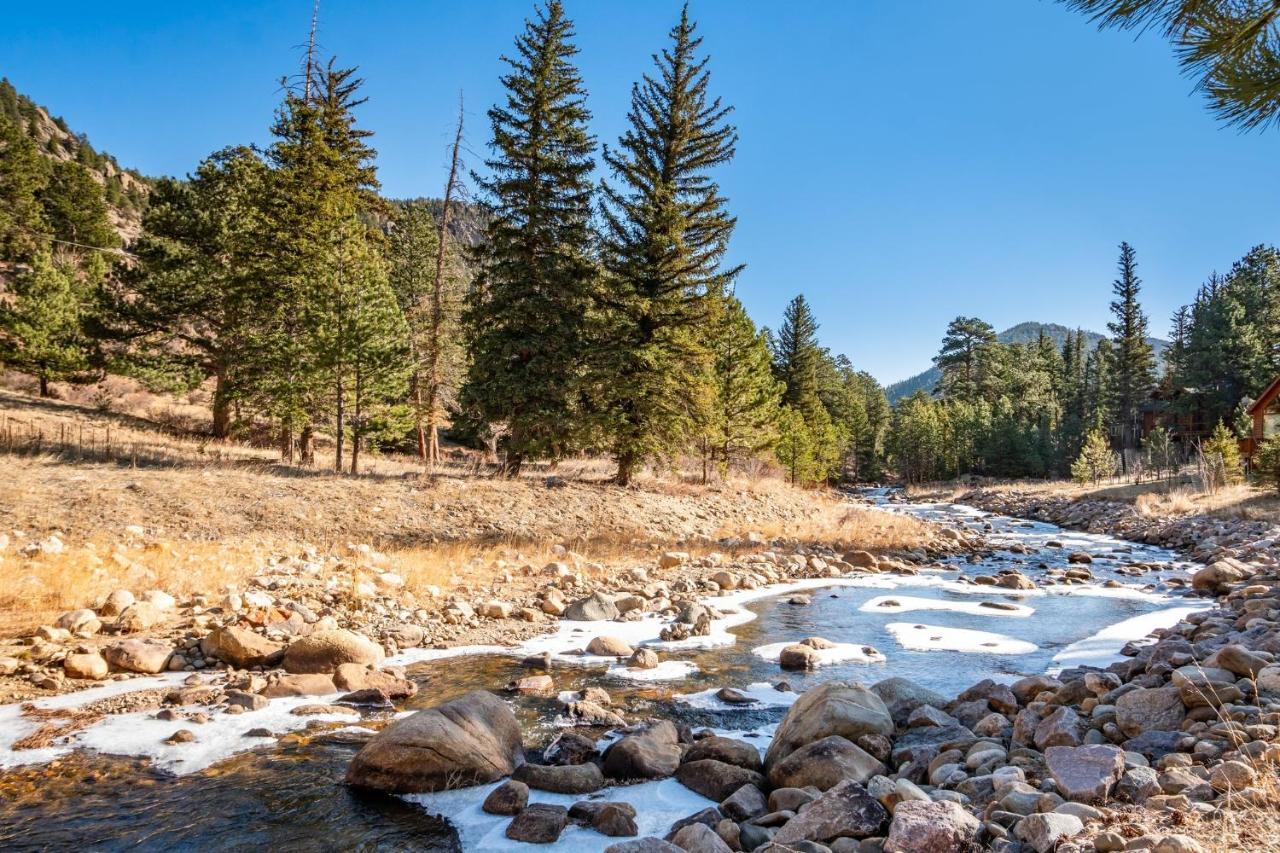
1265, 398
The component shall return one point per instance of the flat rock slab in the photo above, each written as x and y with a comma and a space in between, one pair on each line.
1085, 774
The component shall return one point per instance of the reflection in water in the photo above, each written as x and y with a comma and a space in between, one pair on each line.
291, 796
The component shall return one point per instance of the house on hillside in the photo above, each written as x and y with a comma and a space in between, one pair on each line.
1265, 412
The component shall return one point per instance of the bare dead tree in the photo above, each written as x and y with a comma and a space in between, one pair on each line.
311, 52
429, 444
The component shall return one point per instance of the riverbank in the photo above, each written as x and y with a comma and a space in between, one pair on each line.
907, 766
1206, 537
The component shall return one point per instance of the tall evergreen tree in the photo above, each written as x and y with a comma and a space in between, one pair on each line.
23, 173
191, 299
529, 309
42, 324
796, 355
666, 231
965, 358
742, 418
1133, 367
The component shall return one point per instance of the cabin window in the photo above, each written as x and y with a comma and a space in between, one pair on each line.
1271, 419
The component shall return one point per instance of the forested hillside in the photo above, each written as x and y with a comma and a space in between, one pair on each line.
1019, 334
124, 190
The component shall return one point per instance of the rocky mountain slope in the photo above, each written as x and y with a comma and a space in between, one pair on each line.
126, 190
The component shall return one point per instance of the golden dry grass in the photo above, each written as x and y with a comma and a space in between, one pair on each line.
155, 508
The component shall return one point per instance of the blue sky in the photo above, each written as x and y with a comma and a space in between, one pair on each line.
899, 163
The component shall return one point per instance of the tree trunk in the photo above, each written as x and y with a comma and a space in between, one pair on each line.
286, 441
434, 343
511, 465
357, 426
340, 429
307, 445
626, 468
44, 386
221, 404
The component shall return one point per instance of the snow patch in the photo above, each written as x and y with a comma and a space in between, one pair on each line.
838, 653
906, 603
1103, 648
935, 638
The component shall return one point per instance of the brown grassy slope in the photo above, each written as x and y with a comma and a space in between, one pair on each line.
161, 509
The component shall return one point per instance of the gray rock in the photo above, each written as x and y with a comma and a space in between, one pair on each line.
470, 740
594, 608
824, 764
540, 823
1085, 774
699, 838
846, 811
832, 708
561, 779
1045, 830
929, 827
508, 799
716, 780
652, 752
1148, 709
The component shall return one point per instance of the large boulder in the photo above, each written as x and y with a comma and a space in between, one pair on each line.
824, 764
1150, 709
651, 752
596, 607
725, 749
1219, 576
716, 780
355, 676
145, 656
86, 665
846, 811
834, 708
1085, 774
561, 778
922, 826
468, 741
606, 646
902, 696
325, 651
310, 684
240, 647
540, 823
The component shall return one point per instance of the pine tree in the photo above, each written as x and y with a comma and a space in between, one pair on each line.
742, 417
42, 324
796, 355
1221, 459
191, 299
23, 173
76, 208
965, 358
1133, 362
666, 231
323, 181
529, 310
1096, 460
1266, 461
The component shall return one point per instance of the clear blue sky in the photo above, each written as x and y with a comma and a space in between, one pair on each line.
900, 163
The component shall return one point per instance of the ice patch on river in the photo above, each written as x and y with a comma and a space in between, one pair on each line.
658, 805
935, 638
762, 694
1103, 648
837, 653
667, 670
906, 603
140, 734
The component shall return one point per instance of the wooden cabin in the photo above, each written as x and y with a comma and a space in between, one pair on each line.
1265, 412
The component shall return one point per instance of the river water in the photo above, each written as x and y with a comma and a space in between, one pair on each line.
935, 628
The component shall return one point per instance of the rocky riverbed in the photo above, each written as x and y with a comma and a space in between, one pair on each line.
795, 696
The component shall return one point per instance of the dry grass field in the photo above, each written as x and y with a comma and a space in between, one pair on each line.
139, 504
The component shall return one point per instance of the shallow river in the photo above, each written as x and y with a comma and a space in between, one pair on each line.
931, 628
